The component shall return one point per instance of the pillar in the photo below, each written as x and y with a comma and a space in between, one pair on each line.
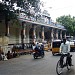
52, 37
61, 34
65, 34
56, 33
27, 34
23, 35
7, 29
34, 33
38, 30
42, 34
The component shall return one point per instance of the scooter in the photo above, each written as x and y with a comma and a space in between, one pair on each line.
37, 54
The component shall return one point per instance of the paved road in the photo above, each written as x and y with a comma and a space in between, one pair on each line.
26, 65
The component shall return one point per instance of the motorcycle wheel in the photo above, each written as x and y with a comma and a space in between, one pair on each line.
35, 57
42, 56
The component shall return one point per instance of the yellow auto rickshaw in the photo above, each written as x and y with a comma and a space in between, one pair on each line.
56, 46
47, 46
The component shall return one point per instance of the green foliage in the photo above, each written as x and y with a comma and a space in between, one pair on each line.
5, 11
35, 4
68, 22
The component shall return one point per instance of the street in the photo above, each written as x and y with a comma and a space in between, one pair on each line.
27, 65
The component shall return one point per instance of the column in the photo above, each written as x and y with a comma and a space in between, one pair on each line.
6, 37
61, 34
52, 37
7, 29
27, 34
65, 34
20, 36
34, 33
42, 34
38, 38
23, 35
56, 33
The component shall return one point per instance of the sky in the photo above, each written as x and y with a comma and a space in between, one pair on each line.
57, 8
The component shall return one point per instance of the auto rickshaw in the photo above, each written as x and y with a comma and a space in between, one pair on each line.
47, 46
72, 45
56, 46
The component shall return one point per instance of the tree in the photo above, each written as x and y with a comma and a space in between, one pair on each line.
6, 14
68, 22
26, 4
35, 4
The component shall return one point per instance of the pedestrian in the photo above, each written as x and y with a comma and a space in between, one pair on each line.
3, 56
9, 55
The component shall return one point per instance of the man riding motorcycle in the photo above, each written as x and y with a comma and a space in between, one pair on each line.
38, 51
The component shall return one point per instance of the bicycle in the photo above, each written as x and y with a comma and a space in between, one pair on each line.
66, 63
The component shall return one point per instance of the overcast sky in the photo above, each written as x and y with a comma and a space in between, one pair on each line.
57, 8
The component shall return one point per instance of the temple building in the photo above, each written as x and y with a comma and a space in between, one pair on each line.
29, 29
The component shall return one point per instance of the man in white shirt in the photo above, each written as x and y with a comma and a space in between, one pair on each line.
65, 49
